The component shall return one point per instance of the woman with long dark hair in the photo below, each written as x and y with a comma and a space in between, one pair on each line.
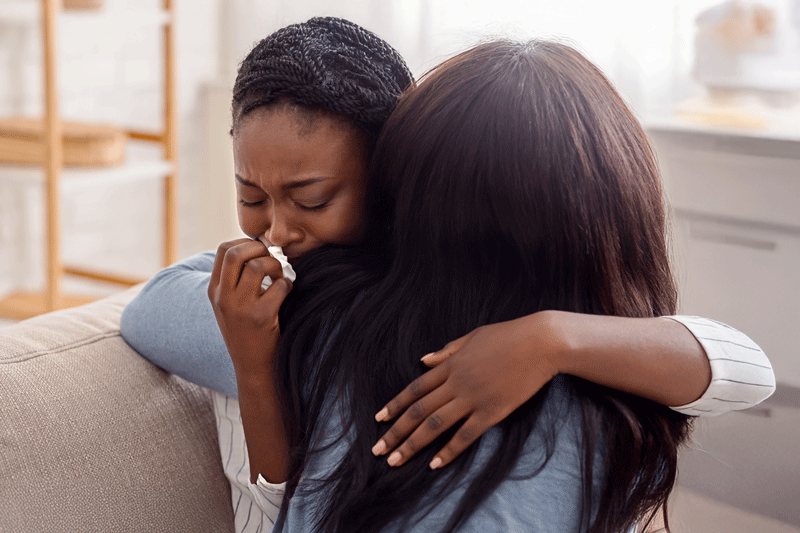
513, 180
309, 103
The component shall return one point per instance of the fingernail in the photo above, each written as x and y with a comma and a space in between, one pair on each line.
424, 357
394, 459
382, 414
436, 463
379, 448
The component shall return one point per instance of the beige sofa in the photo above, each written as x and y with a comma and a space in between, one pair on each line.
95, 438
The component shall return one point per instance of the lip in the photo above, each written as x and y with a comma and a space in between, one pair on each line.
290, 258
294, 253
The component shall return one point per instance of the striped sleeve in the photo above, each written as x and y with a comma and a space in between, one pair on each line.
268, 496
741, 374
255, 506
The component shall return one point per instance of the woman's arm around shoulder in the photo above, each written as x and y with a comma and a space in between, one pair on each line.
701, 366
682, 362
172, 324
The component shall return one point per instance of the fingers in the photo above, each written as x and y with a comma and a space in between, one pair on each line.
220, 257
256, 269
265, 303
274, 296
415, 390
234, 261
427, 418
434, 358
474, 427
239, 268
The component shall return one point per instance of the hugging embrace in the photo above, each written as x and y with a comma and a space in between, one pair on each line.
481, 335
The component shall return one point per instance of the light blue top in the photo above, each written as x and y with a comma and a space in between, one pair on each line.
548, 502
171, 323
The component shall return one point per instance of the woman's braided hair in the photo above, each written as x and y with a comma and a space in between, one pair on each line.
326, 64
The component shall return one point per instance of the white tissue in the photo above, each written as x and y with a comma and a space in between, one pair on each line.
277, 253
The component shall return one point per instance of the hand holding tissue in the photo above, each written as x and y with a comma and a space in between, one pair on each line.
277, 253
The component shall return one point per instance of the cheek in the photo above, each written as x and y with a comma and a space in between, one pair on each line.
248, 222
351, 223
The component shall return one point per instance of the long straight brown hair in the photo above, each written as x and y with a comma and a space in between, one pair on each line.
513, 179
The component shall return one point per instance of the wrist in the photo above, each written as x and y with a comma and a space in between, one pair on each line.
257, 382
558, 340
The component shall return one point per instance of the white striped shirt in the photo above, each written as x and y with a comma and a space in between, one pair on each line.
255, 506
741, 377
741, 374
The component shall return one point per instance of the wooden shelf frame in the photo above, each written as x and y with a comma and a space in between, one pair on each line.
24, 305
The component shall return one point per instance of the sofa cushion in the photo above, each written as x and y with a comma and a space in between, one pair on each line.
95, 438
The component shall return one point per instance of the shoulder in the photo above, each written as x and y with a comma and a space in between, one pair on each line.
201, 263
544, 491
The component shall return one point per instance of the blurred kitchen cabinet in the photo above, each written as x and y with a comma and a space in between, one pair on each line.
736, 205
747, 275
735, 196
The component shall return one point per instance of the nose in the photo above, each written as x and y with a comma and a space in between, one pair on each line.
281, 231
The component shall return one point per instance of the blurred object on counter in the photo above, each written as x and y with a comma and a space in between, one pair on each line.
744, 28
742, 45
747, 55
725, 109
774, 111
84, 144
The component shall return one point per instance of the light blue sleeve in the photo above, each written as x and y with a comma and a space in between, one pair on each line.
171, 323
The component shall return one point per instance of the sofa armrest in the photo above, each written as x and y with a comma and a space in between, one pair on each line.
93, 437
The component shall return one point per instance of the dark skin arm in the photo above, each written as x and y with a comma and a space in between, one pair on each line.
483, 376
248, 319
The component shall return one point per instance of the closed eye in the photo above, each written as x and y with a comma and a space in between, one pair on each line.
311, 207
251, 204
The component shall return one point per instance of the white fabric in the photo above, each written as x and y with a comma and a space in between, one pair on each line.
255, 506
741, 374
277, 253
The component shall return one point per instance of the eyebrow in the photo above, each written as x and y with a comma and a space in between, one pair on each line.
288, 186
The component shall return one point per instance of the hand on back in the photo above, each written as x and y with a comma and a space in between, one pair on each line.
479, 378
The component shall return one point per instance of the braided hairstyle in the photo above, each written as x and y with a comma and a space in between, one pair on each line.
326, 64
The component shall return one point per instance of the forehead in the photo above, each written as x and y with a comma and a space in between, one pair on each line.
285, 141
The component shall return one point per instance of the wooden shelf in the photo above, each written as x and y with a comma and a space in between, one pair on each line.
24, 305
142, 162
54, 178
